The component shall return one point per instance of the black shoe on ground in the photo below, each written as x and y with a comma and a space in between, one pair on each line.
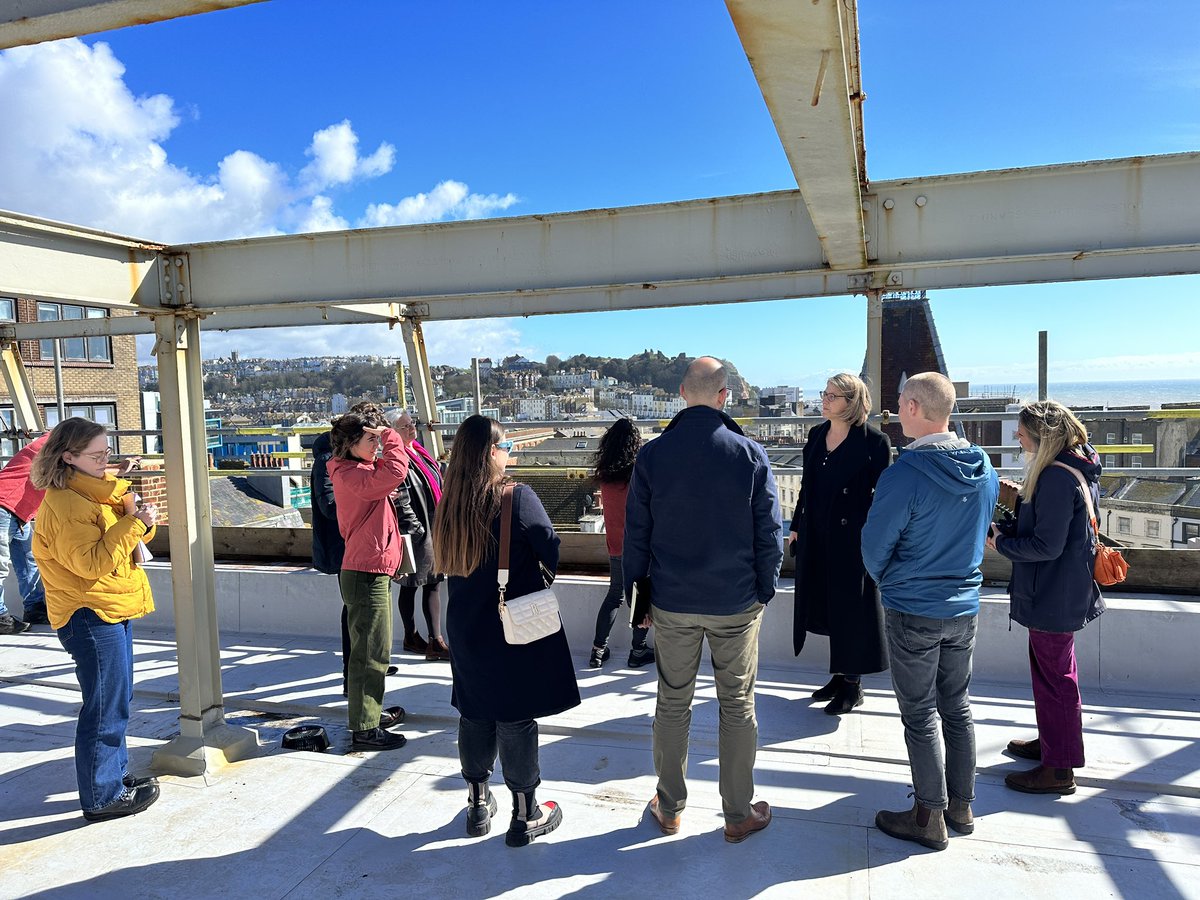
137, 781
642, 657
849, 696
521, 832
9, 625
37, 616
830, 690
393, 715
134, 801
599, 655
377, 739
479, 815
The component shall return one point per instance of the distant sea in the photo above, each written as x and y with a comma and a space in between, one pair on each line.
1089, 393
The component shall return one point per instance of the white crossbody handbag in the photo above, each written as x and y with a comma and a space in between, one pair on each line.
530, 617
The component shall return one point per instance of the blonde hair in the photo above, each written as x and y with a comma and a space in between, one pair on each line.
73, 435
933, 392
858, 398
1053, 428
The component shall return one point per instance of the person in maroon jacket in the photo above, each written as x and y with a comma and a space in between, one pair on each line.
19, 502
613, 469
363, 482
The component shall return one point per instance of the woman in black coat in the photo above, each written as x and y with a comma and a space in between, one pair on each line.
1053, 592
843, 459
499, 688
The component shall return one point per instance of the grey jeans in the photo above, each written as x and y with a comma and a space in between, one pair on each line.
931, 673
733, 644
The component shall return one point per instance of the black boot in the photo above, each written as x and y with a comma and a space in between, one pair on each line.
531, 820
377, 739
848, 696
481, 806
828, 692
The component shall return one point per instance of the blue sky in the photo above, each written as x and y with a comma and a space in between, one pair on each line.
297, 114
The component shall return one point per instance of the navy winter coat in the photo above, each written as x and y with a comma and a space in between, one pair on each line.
328, 546
702, 518
1053, 551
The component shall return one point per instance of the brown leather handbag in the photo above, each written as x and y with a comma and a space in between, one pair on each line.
1109, 567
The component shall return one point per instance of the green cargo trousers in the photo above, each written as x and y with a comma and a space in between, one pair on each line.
733, 644
368, 599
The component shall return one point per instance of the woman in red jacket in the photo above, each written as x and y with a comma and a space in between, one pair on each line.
363, 481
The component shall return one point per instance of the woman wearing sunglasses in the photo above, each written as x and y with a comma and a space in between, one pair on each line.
85, 535
499, 688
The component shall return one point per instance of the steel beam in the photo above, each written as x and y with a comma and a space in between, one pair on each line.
805, 57
422, 382
1095, 220
42, 259
27, 415
34, 21
205, 741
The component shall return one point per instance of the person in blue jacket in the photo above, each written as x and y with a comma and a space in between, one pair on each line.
923, 543
1053, 592
702, 522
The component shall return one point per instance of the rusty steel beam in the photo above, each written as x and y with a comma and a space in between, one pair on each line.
805, 58
34, 21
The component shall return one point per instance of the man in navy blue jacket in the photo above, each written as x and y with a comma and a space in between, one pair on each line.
702, 523
923, 543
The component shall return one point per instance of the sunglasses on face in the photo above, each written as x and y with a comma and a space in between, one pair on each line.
506, 446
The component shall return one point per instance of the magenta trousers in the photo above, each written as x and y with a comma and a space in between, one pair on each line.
1056, 699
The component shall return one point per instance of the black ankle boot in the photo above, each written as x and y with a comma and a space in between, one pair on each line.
531, 820
481, 806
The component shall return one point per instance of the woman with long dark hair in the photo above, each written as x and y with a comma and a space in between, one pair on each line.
613, 468
499, 688
1053, 592
368, 464
85, 535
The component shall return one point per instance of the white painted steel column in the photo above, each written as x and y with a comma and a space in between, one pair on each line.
205, 741
422, 383
875, 349
26, 414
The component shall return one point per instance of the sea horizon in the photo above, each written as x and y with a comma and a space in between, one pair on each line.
1149, 392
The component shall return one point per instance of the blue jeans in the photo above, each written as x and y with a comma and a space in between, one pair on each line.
609, 606
931, 673
103, 655
16, 551
517, 744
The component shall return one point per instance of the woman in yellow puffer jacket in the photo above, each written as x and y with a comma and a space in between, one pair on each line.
84, 539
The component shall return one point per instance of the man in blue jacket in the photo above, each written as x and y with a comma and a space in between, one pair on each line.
923, 543
702, 523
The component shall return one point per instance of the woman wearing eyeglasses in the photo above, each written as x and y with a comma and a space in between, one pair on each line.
843, 459
85, 534
368, 464
499, 688
419, 496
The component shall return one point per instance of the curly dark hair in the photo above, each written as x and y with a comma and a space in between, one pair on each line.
617, 451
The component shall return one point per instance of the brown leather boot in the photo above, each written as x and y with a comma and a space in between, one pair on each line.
666, 824
1042, 780
759, 818
921, 824
437, 650
1026, 749
959, 817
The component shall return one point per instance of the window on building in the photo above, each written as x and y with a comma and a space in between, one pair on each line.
581, 445
1191, 530
104, 413
7, 446
74, 349
7, 309
1152, 528
1112, 438
1137, 437
1124, 525
1110, 460
1136, 461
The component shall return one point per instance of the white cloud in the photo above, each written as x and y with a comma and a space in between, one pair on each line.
336, 160
447, 343
80, 147
449, 200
